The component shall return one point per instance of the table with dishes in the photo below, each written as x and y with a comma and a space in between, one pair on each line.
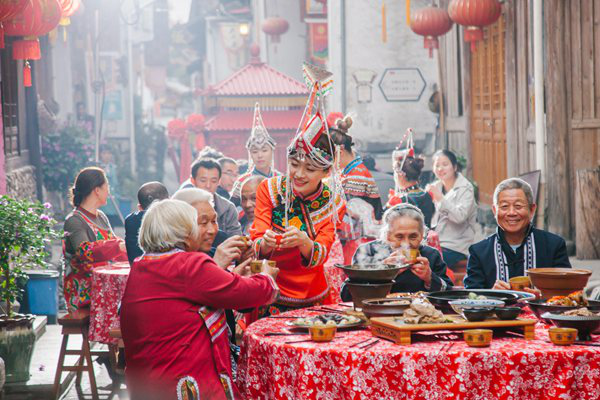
108, 286
280, 362
475, 344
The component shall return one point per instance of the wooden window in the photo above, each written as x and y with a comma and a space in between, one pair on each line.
10, 104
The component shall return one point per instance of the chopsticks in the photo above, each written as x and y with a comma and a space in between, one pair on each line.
363, 341
284, 334
368, 346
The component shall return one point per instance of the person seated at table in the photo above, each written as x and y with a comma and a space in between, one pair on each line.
248, 202
225, 253
172, 320
403, 229
89, 240
516, 246
148, 192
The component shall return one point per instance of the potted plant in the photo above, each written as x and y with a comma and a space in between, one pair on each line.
25, 229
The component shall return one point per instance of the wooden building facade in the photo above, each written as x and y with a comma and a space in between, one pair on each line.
489, 100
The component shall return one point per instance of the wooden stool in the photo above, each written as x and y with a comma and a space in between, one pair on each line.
460, 270
76, 323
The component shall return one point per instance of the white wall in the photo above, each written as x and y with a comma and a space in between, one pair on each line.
379, 121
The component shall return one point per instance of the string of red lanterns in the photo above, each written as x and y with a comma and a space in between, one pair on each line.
432, 22
8, 10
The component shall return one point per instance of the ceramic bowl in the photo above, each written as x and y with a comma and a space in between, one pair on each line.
519, 282
478, 337
364, 291
440, 299
507, 313
475, 314
459, 305
562, 336
322, 333
558, 281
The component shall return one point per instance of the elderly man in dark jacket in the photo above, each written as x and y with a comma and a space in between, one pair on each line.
516, 246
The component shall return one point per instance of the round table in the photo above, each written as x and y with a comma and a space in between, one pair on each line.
434, 366
108, 286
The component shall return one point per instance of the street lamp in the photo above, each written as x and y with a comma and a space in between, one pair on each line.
244, 29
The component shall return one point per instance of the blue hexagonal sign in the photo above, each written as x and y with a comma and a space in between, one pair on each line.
402, 84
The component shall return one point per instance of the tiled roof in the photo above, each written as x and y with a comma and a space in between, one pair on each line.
259, 79
242, 120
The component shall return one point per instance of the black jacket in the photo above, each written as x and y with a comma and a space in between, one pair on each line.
132, 229
550, 251
407, 281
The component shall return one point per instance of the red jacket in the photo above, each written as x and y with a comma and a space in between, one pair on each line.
174, 328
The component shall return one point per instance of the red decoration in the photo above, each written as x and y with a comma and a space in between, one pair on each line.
37, 19
195, 123
473, 15
8, 9
68, 8
26, 74
332, 117
275, 27
430, 22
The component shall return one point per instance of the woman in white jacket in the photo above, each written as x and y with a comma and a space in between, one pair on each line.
456, 209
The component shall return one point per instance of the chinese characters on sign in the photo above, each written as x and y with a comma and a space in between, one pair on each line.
402, 84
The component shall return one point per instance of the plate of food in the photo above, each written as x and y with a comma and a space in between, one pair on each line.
441, 299
560, 304
339, 320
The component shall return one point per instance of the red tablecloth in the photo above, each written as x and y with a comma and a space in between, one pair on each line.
108, 286
511, 368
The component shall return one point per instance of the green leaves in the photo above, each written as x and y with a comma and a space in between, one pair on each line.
25, 228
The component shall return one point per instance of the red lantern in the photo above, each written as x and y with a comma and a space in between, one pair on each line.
275, 27
37, 19
473, 15
430, 22
68, 8
8, 9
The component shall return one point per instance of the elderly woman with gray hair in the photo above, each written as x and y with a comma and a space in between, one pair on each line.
172, 318
403, 229
516, 246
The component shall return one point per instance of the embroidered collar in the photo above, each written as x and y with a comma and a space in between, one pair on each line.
255, 171
87, 213
502, 235
411, 188
353, 164
310, 197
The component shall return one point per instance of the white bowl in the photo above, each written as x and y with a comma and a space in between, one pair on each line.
462, 304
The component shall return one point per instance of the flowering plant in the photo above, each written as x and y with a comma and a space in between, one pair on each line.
64, 153
25, 229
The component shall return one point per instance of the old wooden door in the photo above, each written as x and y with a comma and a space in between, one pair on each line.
488, 111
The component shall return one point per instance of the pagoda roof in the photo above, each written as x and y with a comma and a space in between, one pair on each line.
258, 79
241, 120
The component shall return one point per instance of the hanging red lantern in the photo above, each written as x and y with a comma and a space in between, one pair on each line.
195, 124
474, 15
275, 27
8, 9
430, 22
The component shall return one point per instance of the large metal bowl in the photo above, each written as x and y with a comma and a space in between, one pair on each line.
539, 307
584, 325
385, 307
379, 273
363, 291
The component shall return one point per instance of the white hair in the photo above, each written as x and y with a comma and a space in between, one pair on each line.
194, 195
514, 183
401, 210
167, 224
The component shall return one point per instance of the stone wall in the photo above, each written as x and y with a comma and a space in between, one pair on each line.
21, 183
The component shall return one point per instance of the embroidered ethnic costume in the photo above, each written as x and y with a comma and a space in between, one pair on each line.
301, 282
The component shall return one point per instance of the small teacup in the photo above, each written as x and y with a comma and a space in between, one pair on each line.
256, 267
562, 336
519, 282
411, 255
478, 337
322, 333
